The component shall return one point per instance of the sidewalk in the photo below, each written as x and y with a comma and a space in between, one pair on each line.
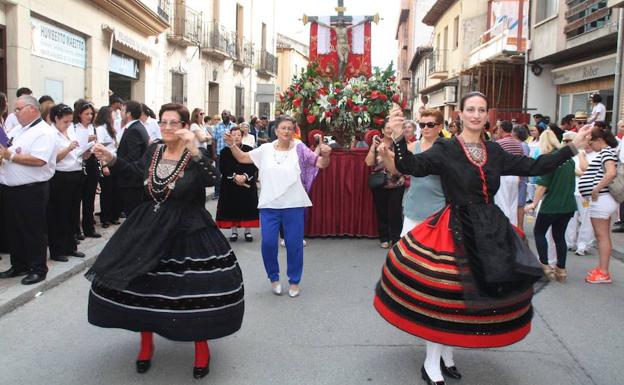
13, 294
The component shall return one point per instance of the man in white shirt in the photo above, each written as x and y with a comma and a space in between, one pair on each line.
11, 120
27, 165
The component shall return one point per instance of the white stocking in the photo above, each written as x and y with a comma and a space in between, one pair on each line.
432, 361
447, 356
234, 230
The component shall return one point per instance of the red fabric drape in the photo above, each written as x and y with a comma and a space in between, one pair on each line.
342, 202
357, 65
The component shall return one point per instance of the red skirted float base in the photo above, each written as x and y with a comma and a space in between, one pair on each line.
342, 202
229, 224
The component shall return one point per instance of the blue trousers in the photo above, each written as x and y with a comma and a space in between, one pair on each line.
292, 221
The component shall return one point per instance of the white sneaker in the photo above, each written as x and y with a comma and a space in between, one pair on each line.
305, 243
276, 288
283, 243
580, 252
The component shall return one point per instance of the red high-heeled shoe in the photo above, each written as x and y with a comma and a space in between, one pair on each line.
202, 359
144, 360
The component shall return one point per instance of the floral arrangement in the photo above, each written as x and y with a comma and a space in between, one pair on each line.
340, 108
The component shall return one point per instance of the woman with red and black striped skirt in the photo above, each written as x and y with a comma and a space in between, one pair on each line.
463, 277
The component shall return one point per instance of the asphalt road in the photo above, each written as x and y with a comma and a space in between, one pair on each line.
329, 335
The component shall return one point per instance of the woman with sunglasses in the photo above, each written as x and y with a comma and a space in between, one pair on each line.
455, 280
64, 186
424, 196
86, 136
168, 269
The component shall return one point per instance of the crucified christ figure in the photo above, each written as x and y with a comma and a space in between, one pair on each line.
342, 42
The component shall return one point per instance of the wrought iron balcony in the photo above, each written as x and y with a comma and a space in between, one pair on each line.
187, 26
216, 41
267, 64
585, 16
438, 68
164, 9
244, 52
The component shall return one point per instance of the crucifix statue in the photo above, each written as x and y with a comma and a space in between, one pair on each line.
341, 24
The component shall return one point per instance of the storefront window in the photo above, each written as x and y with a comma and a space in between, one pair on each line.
571, 103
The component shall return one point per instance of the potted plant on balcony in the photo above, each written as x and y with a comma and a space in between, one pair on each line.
340, 108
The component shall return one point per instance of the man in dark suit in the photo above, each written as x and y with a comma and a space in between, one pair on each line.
133, 144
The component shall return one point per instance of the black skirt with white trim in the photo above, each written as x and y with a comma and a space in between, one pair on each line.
195, 293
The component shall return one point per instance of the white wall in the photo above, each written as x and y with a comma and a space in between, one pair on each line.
542, 93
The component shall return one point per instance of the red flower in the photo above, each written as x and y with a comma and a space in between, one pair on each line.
328, 114
364, 108
392, 78
337, 90
310, 118
306, 111
383, 97
350, 103
333, 101
378, 120
297, 102
396, 98
404, 104
374, 95
356, 109
335, 111
382, 114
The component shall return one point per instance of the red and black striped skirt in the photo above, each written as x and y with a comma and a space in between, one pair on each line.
421, 292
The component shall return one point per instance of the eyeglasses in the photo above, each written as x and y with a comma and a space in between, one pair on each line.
18, 109
170, 123
429, 125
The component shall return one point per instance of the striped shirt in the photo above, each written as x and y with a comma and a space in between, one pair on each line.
595, 172
511, 145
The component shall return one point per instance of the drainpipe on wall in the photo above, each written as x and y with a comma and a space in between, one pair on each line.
617, 95
525, 88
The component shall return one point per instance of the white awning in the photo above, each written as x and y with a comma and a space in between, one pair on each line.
141, 49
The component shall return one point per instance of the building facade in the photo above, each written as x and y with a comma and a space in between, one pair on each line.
411, 34
292, 58
212, 54
477, 45
572, 56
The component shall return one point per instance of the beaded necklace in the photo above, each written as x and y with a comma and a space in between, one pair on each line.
159, 188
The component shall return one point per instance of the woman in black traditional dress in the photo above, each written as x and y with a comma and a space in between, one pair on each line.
168, 269
463, 277
238, 202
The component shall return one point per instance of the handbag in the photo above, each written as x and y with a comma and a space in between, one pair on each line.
376, 179
616, 187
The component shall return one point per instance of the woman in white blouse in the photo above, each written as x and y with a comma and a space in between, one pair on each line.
248, 139
106, 135
64, 186
286, 168
202, 137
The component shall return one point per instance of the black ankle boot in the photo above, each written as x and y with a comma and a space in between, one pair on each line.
450, 371
428, 380
143, 366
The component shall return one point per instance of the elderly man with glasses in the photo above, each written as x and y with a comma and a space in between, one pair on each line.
28, 163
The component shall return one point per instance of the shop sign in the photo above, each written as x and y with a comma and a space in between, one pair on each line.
590, 69
124, 65
57, 44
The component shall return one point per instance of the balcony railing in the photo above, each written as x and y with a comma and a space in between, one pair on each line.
244, 51
267, 63
164, 9
438, 63
585, 15
215, 40
187, 26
